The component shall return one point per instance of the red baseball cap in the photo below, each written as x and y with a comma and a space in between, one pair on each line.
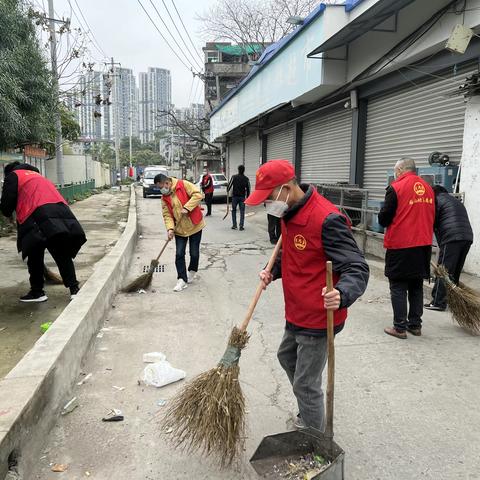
269, 176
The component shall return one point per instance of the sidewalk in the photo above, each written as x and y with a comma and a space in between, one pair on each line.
405, 409
102, 217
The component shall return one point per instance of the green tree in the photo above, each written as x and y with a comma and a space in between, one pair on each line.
125, 144
26, 94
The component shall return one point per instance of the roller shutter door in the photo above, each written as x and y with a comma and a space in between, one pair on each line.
235, 156
326, 148
414, 122
252, 158
281, 144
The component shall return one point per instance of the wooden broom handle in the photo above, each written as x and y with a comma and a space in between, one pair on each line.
331, 357
259, 290
162, 250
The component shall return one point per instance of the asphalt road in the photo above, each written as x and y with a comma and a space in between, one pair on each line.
405, 410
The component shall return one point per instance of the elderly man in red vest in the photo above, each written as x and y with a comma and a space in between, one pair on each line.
44, 221
408, 214
313, 231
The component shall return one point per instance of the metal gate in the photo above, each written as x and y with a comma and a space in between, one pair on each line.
414, 122
281, 144
326, 148
252, 158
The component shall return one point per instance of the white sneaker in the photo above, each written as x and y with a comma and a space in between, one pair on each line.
181, 285
191, 276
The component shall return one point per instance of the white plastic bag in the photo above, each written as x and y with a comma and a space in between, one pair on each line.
162, 373
153, 357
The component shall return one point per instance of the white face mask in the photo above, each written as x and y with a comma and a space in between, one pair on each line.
277, 208
165, 191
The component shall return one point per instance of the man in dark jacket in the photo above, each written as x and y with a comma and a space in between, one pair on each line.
240, 186
44, 221
313, 231
408, 214
454, 236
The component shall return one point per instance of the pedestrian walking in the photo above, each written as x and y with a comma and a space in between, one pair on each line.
408, 215
454, 237
44, 221
207, 188
240, 186
313, 231
184, 222
274, 228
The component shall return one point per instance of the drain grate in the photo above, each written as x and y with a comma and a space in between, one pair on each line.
158, 269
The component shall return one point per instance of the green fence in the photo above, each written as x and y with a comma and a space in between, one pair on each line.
75, 190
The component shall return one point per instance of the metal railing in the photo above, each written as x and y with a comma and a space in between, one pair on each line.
76, 189
359, 205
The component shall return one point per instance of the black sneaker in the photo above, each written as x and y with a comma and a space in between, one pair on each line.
34, 297
433, 307
242, 229
73, 291
234, 227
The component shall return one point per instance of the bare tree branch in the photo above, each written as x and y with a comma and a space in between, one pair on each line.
195, 129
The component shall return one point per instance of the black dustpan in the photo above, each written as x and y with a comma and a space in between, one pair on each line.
275, 449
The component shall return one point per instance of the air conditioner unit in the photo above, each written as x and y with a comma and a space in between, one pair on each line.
437, 175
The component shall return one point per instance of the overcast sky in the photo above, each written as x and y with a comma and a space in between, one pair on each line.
124, 31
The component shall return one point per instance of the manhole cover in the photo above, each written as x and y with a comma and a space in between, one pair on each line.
158, 269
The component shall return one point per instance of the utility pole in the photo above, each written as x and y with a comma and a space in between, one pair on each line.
56, 114
115, 115
130, 139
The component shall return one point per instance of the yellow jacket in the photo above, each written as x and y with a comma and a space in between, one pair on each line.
181, 223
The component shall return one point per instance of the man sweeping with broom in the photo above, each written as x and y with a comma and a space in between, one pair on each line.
313, 232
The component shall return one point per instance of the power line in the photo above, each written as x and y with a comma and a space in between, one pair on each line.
185, 28
181, 36
164, 39
173, 37
88, 30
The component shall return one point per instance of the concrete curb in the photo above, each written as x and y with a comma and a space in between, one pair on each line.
33, 393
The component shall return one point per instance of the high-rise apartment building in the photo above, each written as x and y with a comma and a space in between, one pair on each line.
125, 103
155, 97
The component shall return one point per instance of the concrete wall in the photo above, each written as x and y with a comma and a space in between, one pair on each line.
470, 177
79, 168
33, 393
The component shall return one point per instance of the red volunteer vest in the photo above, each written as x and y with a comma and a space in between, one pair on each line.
195, 215
33, 192
412, 225
303, 266
204, 181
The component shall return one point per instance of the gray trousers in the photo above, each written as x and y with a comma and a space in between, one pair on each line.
303, 358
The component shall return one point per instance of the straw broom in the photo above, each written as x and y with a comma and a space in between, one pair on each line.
144, 280
464, 302
208, 414
51, 277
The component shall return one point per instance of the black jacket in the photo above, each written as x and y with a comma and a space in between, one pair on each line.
403, 263
240, 184
451, 219
45, 223
341, 248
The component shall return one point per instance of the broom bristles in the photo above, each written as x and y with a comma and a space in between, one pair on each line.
143, 281
52, 277
463, 301
208, 414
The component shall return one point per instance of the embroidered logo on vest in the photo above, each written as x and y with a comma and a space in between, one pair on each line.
300, 242
419, 189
